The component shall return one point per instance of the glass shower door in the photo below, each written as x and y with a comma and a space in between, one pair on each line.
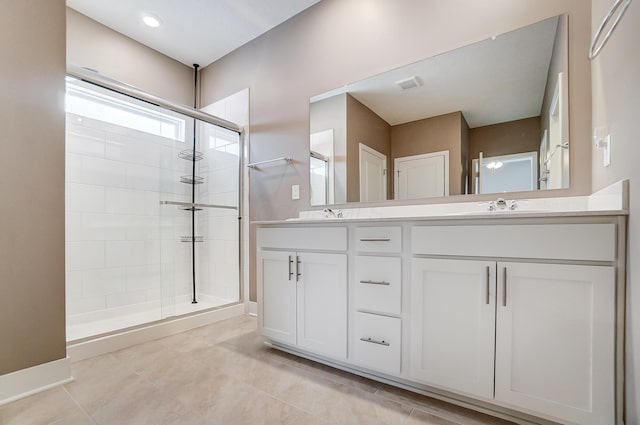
199, 221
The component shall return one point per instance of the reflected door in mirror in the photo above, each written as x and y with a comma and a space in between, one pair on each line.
422, 176
373, 174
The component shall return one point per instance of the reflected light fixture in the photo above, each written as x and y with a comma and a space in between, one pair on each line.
151, 21
494, 165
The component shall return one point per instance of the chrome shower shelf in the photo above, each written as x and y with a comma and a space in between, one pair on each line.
191, 155
191, 179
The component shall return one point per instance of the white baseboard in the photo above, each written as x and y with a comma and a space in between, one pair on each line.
109, 343
26, 382
252, 308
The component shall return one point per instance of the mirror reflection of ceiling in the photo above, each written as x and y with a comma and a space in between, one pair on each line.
465, 80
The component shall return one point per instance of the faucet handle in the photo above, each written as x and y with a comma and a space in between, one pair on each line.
513, 205
491, 206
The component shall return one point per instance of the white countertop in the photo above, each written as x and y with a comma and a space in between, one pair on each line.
610, 201
457, 217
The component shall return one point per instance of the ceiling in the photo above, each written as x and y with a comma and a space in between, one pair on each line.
192, 31
492, 81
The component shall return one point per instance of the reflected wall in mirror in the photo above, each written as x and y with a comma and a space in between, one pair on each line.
490, 117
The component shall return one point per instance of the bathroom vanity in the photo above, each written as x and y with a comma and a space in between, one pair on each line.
519, 315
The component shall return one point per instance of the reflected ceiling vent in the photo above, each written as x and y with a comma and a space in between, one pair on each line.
409, 83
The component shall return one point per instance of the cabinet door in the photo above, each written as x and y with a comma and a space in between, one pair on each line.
277, 295
322, 303
453, 324
555, 341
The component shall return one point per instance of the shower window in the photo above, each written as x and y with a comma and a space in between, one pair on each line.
135, 243
88, 103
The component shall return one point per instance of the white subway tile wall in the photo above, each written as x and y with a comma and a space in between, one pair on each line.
123, 249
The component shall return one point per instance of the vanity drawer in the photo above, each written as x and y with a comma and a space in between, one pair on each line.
377, 342
378, 239
378, 282
593, 242
315, 238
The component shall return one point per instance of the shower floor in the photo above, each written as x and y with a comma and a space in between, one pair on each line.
87, 325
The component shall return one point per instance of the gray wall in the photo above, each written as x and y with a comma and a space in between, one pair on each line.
93, 45
32, 314
336, 42
616, 107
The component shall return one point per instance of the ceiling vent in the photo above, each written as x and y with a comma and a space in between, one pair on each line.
409, 83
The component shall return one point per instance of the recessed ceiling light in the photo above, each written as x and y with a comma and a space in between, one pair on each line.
151, 21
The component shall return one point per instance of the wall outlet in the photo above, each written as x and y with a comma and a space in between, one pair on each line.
295, 192
607, 151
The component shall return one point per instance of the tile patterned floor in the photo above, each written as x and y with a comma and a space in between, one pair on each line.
222, 374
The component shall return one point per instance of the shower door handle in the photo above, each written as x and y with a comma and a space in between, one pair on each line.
290, 267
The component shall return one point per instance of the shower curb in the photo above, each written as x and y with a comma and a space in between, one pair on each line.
106, 344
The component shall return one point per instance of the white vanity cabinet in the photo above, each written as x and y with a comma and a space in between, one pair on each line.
552, 325
302, 296
453, 324
522, 317
555, 333
376, 291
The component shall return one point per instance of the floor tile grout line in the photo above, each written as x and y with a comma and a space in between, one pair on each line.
82, 409
408, 416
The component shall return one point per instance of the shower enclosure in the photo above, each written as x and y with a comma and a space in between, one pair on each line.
152, 208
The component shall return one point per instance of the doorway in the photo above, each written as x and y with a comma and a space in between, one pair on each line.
422, 176
373, 174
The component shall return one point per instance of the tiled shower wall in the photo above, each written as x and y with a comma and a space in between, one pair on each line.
113, 215
116, 178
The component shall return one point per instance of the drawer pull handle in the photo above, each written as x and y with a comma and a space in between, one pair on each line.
290, 264
488, 278
375, 341
375, 239
298, 268
504, 287
373, 282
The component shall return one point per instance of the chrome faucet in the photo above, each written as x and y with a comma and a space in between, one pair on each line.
329, 213
500, 205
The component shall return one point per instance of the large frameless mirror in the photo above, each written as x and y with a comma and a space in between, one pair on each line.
490, 117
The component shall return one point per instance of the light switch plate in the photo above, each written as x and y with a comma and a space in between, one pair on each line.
295, 192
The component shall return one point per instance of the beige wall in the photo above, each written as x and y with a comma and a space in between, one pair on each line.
93, 45
434, 134
336, 42
616, 108
364, 126
32, 313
